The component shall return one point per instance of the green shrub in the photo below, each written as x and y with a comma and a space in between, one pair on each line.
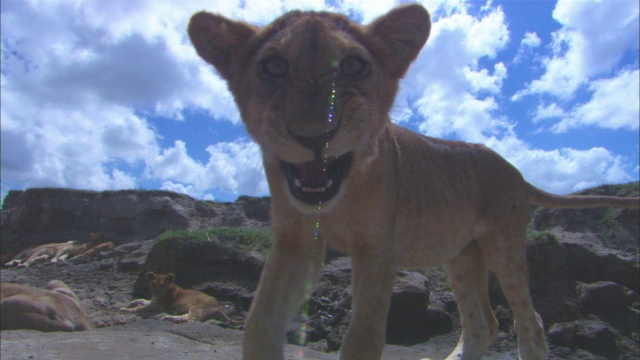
239, 238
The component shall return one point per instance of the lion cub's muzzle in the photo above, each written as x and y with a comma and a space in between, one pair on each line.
317, 181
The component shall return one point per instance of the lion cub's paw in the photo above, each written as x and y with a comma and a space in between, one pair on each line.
135, 305
177, 319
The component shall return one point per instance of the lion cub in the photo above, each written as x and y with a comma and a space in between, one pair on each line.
169, 297
55, 308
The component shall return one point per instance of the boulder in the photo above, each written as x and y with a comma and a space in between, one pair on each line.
412, 318
590, 335
216, 265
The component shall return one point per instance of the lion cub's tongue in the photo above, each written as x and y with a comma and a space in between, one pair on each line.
314, 173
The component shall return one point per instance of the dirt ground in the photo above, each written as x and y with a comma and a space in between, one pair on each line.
103, 289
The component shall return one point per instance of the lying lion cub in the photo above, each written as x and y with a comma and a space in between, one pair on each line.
314, 90
56, 308
169, 297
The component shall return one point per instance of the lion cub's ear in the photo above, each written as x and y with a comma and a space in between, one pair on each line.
151, 276
169, 278
218, 40
400, 35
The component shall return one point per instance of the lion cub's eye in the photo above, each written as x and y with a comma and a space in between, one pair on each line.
353, 67
275, 67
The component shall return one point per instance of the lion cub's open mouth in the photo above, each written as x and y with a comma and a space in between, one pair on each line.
317, 181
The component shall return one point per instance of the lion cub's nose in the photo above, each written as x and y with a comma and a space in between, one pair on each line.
315, 143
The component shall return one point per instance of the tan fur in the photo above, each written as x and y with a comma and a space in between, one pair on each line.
407, 201
61, 251
55, 308
99, 243
55, 252
191, 305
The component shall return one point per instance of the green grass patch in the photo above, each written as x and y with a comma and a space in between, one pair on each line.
534, 234
631, 189
240, 238
608, 224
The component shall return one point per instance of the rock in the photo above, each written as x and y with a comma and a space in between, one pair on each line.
595, 336
148, 339
256, 208
603, 294
552, 288
612, 303
35, 216
133, 256
199, 262
411, 320
328, 311
583, 277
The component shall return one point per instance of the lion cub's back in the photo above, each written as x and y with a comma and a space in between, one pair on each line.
188, 298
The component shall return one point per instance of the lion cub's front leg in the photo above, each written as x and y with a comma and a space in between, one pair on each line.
137, 305
293, 267
374, 273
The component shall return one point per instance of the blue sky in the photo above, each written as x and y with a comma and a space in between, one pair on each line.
107, 95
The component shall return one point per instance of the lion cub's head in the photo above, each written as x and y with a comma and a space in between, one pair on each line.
159, 283
314, 89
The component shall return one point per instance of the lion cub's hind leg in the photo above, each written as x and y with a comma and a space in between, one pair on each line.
177, 319
507, 260
468, 276
196, 313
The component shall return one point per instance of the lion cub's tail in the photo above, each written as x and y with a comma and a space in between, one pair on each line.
543, 198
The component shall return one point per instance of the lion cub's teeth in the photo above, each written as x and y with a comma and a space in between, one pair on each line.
314, 189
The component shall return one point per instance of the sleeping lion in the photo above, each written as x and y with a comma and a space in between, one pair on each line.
54, 308
314, 90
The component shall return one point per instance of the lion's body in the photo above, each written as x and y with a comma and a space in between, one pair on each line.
314, 91
99, 243
190, 305
55, 308
55, 252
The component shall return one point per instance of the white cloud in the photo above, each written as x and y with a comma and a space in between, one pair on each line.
593, 38
563, 170
481, 80
234, 167
186, 189
80, 80
544, 112
530, 40
452, 100
614, 105
456, 100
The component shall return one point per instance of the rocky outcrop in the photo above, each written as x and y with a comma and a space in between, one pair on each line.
584, 272
37, 216
217, 265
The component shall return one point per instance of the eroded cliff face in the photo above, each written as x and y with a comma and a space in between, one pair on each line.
37, 216
583, 264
